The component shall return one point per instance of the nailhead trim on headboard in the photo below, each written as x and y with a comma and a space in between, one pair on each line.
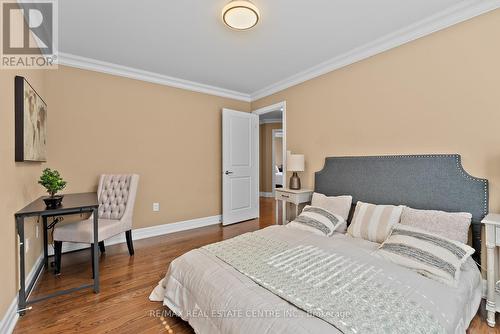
441, 188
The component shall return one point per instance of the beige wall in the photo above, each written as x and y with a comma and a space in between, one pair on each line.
19, 186
438, 94
99, 123
266, 157
171, 137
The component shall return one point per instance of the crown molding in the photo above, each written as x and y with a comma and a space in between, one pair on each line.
84, 63
461, 12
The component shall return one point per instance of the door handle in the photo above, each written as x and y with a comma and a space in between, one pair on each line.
228, 172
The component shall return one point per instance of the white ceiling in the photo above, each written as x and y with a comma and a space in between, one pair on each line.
187, 40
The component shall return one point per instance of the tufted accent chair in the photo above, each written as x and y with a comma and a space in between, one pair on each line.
116, 195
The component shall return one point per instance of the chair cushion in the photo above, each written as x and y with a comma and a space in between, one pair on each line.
83, 231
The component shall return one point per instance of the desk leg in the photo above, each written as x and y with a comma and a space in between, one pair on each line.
22, 272
45, 243
95, 261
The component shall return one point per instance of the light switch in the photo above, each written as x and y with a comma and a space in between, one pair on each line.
156, 207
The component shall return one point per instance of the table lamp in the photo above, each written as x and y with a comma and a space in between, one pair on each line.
295, 163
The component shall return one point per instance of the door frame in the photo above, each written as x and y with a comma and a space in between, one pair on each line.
264, 110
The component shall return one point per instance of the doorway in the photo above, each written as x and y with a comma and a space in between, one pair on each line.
272, 148
250, 168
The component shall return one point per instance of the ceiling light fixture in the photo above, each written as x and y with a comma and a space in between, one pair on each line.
240, 14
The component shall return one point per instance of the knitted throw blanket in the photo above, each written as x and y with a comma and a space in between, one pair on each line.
350, 293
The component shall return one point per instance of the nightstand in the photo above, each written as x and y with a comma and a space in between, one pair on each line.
492, 227
296, 197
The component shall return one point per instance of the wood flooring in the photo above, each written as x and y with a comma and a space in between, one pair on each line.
126, 282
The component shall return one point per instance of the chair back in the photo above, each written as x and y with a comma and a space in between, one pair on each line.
116, 195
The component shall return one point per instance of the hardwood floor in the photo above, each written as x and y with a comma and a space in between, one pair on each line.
126, 282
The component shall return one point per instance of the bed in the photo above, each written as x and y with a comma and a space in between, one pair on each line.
206, 288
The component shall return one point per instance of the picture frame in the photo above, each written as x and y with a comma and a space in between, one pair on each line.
30, 123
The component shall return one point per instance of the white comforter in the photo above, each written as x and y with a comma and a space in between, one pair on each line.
215, 298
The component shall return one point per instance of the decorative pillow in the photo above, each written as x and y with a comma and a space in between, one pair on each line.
317, 220
374, 222
454, 226
340, 205
431, 255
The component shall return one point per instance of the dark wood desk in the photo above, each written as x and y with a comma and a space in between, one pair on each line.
72, 204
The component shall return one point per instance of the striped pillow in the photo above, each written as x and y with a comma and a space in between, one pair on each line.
374, 222
430, 255
317, 220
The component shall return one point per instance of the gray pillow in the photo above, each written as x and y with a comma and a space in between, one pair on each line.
454, 226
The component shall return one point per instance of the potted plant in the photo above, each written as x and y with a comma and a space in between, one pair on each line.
53, 182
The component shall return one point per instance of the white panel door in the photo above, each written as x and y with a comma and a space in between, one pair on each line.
240, 166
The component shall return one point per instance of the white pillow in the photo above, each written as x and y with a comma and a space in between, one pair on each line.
454, 226
374, 222
429, 254
339, 205
317, 220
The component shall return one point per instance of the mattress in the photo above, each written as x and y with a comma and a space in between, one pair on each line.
215, 298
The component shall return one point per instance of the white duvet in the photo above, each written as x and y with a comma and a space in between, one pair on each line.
215, 298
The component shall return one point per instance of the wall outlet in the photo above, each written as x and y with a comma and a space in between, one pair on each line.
156, 207
26, 245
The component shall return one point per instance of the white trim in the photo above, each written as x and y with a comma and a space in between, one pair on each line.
277, 106
273, 107
266, 194
67, 59
148, 232
462, 11
270, 121
31, 274
11, 316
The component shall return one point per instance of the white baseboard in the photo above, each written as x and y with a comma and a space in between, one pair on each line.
11, 316
148, 232
266, 194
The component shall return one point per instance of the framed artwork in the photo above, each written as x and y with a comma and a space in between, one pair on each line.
30, 122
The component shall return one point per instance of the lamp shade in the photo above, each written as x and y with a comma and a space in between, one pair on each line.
295, 163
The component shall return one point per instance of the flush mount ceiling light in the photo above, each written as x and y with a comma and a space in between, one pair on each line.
240, 14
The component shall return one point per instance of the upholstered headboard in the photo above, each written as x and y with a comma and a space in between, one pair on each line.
432, 182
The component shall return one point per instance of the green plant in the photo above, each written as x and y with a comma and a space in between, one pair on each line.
52, 181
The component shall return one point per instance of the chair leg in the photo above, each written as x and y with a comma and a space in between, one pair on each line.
57, 256
101, 247
92, 259
130, 245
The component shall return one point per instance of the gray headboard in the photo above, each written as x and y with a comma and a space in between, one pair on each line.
432, 182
